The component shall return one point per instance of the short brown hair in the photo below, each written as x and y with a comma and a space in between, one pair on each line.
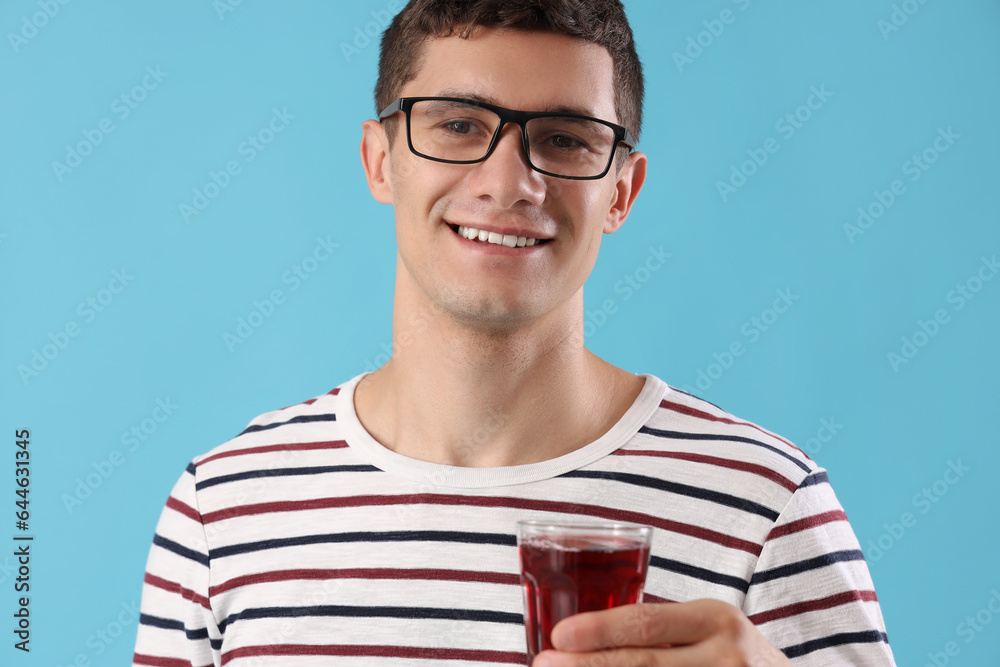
599, 21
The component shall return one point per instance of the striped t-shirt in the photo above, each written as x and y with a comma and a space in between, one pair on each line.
304, 542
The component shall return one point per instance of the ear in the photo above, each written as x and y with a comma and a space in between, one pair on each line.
627, 186
376, 160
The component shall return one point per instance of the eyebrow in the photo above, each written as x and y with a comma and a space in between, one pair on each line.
486, 99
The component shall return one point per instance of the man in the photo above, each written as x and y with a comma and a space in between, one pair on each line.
374, 524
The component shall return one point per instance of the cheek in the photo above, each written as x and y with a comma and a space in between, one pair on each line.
418, 184
592, 212
583, 200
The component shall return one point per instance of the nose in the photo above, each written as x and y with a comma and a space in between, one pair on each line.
505, 176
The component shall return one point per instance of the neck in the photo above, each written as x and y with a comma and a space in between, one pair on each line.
460, 395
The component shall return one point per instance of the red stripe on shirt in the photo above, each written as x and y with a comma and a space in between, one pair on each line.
295, 446
140, 659
694, 412
487, 501
413, 652
183, 508
813, 605
366, 573
186, 593
753, 468
805, 523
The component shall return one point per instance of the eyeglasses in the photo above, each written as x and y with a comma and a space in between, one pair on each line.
460, 131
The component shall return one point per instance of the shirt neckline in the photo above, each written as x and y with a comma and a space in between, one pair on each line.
438, 474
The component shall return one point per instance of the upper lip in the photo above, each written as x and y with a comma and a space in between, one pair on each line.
511, 231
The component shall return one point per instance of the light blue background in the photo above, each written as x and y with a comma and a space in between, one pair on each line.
825, 358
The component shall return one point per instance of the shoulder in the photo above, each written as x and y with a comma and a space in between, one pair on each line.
685, 427
290, 428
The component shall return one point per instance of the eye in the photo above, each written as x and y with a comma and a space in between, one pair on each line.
459, 126
565, 141
462, 127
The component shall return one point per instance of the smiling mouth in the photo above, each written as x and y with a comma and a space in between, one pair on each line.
483, 236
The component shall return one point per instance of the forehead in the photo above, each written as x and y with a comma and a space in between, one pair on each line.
529, 71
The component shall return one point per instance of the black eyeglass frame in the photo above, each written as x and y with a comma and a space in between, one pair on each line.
405, 104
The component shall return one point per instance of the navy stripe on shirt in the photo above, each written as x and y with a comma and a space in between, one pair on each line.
170, 624
301, 419
818, 477
282, 472
386, 536
866, 637
680, 489
679, 435
180, 550
699, 573
806, 565
478, 615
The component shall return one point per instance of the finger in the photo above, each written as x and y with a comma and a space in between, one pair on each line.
682, 656
646, 625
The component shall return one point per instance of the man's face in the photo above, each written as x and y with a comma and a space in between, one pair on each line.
488, 286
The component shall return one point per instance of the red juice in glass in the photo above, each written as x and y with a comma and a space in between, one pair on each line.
571, 568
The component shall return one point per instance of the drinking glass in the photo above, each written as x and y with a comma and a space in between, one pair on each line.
568, 568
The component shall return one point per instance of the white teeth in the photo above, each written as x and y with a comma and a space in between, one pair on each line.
509, 240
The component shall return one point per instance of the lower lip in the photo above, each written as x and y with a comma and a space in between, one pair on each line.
494, 249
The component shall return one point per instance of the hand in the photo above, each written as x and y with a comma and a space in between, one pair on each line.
702, 632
